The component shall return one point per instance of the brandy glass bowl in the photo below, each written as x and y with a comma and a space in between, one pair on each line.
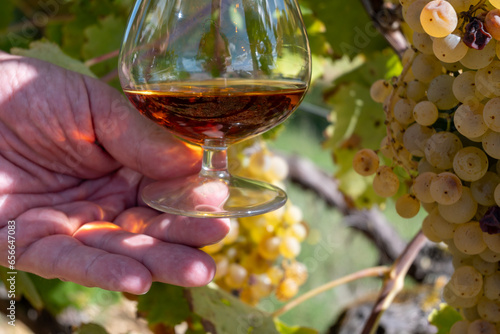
215, 72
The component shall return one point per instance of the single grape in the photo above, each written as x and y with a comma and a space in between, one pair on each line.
466, 282
469, 121
416, 90
446, 188
269, 248
293, 215
365, 162
297, 271
426, 67
495, 3
464, 88
476, 59
422, 42
491, 114
438, 18
491, 144
459, 327
385, 182
462, 210
470, 163
289, 247
425, 113
488, 309
380, 90
422, 187
492, 286
488, 79
403, 111
442, 228
492, 23
449, 49
415, 137
440, 92
469, 239
407, 206
481, 326
484, 267
411, 15
492, 241
236, 276
441, 148
286, 289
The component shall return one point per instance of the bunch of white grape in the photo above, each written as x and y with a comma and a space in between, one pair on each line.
258, 256
443, 129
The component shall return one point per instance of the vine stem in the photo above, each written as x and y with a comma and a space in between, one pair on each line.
101, 58
394, 282
369, 272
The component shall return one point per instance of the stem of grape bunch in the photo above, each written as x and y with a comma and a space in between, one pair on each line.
379, 271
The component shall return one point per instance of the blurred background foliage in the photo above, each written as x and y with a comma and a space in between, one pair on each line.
335, 120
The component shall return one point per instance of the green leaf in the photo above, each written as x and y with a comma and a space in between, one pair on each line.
24, 287
285, 329
444, 318
349, 29
91, 329
29, 291
356, 113
223, 313
165, 304
6, 14
103, 38
52, 53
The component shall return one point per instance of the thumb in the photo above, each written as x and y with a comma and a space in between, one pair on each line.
135, 141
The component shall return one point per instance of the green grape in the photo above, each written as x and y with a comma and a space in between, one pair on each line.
483, 266
449, 49
491, 144
236, 276
416, 90
425, 113
289, 247
380, 90
407, 206
269, 248
441, 227
441, 148
484, 188
478, 59
456, 299
365, 162
440, 92
468, 119
385, 182
468, 238
403, 111
492, 286
492, 241
462, 210
411, 15
489, 310
415, 137
464, 88
488, 78
481, 327
470, 163
466, 282
438, 18
426, 67
297, 271
422, 186
446, 188
491, 115
489, 255
459, 327
423, 43
287, 289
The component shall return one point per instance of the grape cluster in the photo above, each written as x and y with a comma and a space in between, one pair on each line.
443, 131
258, 256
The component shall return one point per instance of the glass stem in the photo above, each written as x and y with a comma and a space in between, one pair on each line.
214, 163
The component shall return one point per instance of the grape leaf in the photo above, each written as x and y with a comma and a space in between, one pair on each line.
52, 53
285, 329
103, 38
355, 112
349, 29
223, 313
164, 304
444, 318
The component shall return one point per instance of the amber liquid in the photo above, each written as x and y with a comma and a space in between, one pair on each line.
226, 111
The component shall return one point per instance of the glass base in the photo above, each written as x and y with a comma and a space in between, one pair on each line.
199, 196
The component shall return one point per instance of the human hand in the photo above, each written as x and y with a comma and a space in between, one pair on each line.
73, 159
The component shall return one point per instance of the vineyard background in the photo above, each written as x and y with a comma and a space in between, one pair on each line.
336, 119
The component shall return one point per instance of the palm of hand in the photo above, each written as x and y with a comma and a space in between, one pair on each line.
73, 158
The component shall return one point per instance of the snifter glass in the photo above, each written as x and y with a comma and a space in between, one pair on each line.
215, 72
